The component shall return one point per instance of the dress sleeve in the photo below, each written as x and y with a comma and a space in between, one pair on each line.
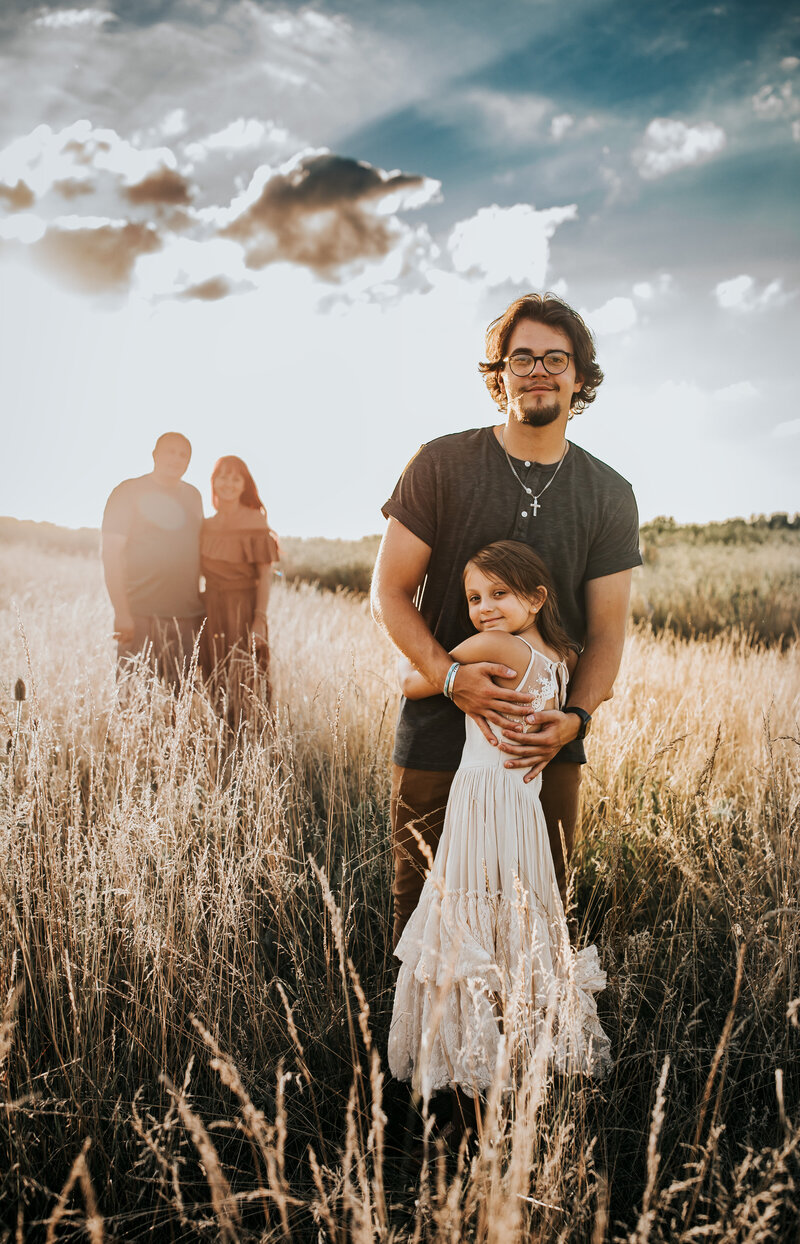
118, 514
259, 547
414, 500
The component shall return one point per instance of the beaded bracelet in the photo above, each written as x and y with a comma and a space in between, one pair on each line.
449, 679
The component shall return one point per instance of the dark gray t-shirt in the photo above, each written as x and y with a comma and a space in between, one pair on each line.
161, 523
457, 495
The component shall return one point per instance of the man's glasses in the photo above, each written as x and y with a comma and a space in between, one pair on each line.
522, 363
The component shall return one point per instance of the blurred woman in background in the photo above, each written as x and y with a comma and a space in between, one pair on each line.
237, 552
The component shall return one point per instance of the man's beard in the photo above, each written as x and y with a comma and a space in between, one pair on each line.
539, 415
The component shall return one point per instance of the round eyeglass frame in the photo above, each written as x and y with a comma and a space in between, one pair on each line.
538, 358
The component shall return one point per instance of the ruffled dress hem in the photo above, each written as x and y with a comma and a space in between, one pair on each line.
487, 981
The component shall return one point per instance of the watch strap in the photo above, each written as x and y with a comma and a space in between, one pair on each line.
586, 719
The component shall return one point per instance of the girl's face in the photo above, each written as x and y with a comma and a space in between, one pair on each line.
493, 606
228, 484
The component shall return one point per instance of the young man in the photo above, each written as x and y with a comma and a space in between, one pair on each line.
151, 560
519, 480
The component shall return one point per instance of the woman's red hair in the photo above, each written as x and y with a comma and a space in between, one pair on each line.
249, 497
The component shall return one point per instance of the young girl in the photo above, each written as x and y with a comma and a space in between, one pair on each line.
487, 969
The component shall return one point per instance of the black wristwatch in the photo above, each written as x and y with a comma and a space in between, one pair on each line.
586, 719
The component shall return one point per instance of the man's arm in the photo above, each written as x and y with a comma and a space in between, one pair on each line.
607, 602
263, 583
399, 570
114, 572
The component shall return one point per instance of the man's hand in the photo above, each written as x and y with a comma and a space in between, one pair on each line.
124, 628
477, 695
551, 730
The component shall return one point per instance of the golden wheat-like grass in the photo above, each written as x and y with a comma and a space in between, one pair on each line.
196, 980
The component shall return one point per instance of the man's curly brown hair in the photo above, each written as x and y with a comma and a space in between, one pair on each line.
545, 309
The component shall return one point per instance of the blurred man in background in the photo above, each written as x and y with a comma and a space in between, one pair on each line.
151, 561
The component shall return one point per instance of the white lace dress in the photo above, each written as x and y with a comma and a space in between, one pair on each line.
487, 973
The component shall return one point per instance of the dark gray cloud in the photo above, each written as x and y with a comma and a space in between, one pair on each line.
325, 212
321, 214
73, 188
95, 260
212, 290
17, 198
165, 186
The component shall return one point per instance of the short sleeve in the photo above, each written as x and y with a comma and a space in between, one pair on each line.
414, 500
259, 547
616, 546
197, 502
118, 514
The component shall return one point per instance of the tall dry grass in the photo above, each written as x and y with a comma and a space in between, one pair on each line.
195, 964
693, 588
697, 580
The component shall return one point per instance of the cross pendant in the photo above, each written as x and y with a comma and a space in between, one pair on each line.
535, 505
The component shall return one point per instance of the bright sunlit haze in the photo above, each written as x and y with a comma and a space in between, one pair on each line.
282, 230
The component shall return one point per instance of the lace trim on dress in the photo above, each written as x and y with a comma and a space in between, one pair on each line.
550, 683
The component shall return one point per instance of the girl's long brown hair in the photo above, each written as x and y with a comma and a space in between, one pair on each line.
249, 497
519, 568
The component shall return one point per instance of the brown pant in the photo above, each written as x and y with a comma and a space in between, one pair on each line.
167, 643
419, 797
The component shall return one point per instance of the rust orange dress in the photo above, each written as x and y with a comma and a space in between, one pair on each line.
230, 560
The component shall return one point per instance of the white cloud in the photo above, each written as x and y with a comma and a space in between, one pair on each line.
741, 391
511, 119
646, 291
319, 75
790, 427
796, 131
337, 216
244, 134
669, 145
564, 124
789, 63
739, 294
73, 154
501, 244
560, 124
174, 123
23, 227
68, 19
185, 264
771, 103
615, 316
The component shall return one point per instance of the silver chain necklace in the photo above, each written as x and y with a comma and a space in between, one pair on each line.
535, 506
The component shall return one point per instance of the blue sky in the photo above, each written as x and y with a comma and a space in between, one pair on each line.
283, 228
